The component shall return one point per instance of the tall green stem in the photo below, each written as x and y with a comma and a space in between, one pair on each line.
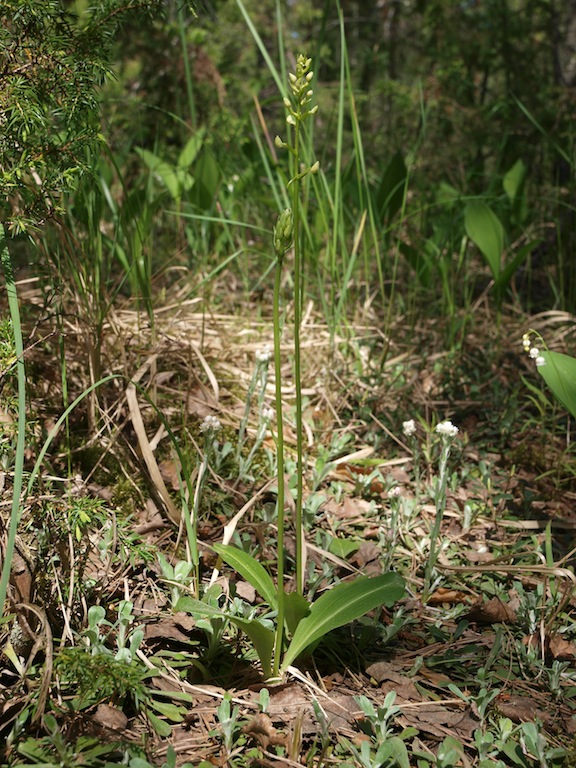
279, 641
297, 368
21, 435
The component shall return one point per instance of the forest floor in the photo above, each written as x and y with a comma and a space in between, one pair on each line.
481, 671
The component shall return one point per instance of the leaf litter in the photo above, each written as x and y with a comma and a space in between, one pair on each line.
496, 580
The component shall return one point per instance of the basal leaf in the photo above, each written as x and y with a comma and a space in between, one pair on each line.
191, 149
483, 227
341, 605
560, 375
262, 639
250, 570
296, 607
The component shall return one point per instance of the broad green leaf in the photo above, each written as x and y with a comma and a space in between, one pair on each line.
483, 227
560, 375
343, 547
174, 179
206, 180
190, 605
191, 149
341, 605
396, 749
513, 181
161, 728
295, 608
446, 194
262, 639
173, 712
250, 570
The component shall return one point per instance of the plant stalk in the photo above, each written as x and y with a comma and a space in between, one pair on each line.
280, 499
299, 533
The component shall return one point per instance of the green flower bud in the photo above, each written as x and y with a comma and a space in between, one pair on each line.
283, 231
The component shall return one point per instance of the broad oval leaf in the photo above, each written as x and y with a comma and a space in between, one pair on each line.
341, 605
483, 227
250, 570
513, 181
559, 373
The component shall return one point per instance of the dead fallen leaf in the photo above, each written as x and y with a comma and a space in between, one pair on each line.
561, 649
166, 629
110, 717
246, 591
261, 729
450, 596
494, 611
521, 709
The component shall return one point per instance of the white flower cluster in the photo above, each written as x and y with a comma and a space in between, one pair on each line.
263, 355
409, 427
267, 414
534, 352
447, 429
210, 423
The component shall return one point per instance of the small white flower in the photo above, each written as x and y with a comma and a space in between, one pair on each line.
210, 423
534, 353
409, 427
540, 361
263, 355
268, 414
447, 429
526, 343
393, 493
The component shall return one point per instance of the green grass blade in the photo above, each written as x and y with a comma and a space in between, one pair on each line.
342, 605
21, 428
262, 48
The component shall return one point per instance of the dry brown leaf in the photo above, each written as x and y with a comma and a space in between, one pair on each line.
246, 591
520, 709
349, 508
365, 554
450, 596
260, 729
110, 717
561, 649
494, 611
165, 629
